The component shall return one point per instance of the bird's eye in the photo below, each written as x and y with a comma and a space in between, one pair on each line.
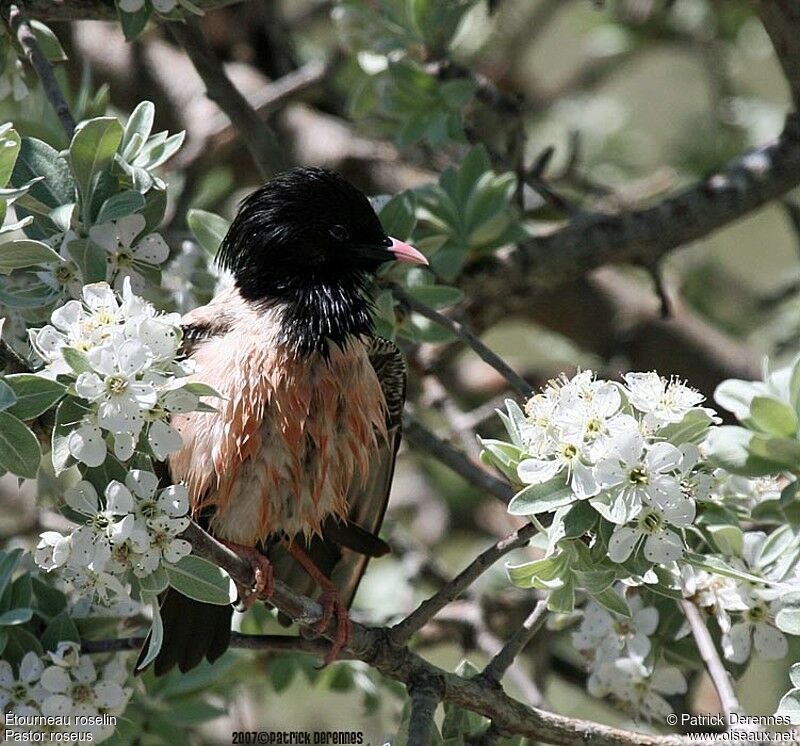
339, 232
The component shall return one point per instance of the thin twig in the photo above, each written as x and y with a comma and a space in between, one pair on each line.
501, 662
423, 439
425, 697
461, 330
418, 618
258, 137
20, 27
708, 652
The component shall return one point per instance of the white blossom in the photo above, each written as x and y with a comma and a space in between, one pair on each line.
129, 256
662, 401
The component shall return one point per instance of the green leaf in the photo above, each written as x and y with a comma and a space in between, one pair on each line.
397, 215
788, 617
92, 260
773, 417
545, 570
20, 453
76, 360
735, 395
9, 150
784, 453
156, 636
25, 253
48, 42
209, 229
60, 629
613, 601
37, 159
542, 498
436, 296
50, 601
7, 395
8, 563
728, 539
20, 641
720, 567
139, 123
92, 149
133, 23
68, 415
119, 205
155, 582
789, 706
201, 389
728, 448
15, 616
34, 394
691, 429
201, 580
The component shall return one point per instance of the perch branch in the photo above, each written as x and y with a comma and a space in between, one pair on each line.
374, 647
425, 697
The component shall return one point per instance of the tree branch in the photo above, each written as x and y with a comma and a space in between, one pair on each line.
20, 27
256, 134
501, 662
417, 619
425, 697
461, 330
708, 652
423, 439
374, 647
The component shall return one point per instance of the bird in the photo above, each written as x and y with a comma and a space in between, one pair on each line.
292, 466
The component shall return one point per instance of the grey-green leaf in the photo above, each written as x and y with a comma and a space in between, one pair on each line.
200, 579
34, 394
20, 453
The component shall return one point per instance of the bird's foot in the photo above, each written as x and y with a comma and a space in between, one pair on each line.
264, 585
332, 606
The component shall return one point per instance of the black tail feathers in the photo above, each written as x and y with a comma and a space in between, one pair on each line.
192, 631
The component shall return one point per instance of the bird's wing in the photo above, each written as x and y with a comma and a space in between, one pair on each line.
345, 547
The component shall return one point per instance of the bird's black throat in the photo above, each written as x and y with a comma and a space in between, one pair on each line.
323, 310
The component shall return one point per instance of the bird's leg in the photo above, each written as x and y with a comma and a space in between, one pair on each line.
331, 602
262, 570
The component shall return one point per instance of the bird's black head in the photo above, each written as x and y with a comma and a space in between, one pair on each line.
310, 240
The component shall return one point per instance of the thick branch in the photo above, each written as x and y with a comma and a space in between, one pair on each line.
21, 28
645, 235
418, 618
257, 135
373, 647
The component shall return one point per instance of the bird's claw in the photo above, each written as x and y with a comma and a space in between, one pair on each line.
332, 606
264, 585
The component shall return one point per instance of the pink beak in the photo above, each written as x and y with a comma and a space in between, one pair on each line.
406, 253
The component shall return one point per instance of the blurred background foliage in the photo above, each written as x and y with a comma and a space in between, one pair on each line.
621, 104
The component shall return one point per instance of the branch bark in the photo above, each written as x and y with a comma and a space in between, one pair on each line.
20, 27
418, 618
713, 663
501, 662
374, 647
256, 134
